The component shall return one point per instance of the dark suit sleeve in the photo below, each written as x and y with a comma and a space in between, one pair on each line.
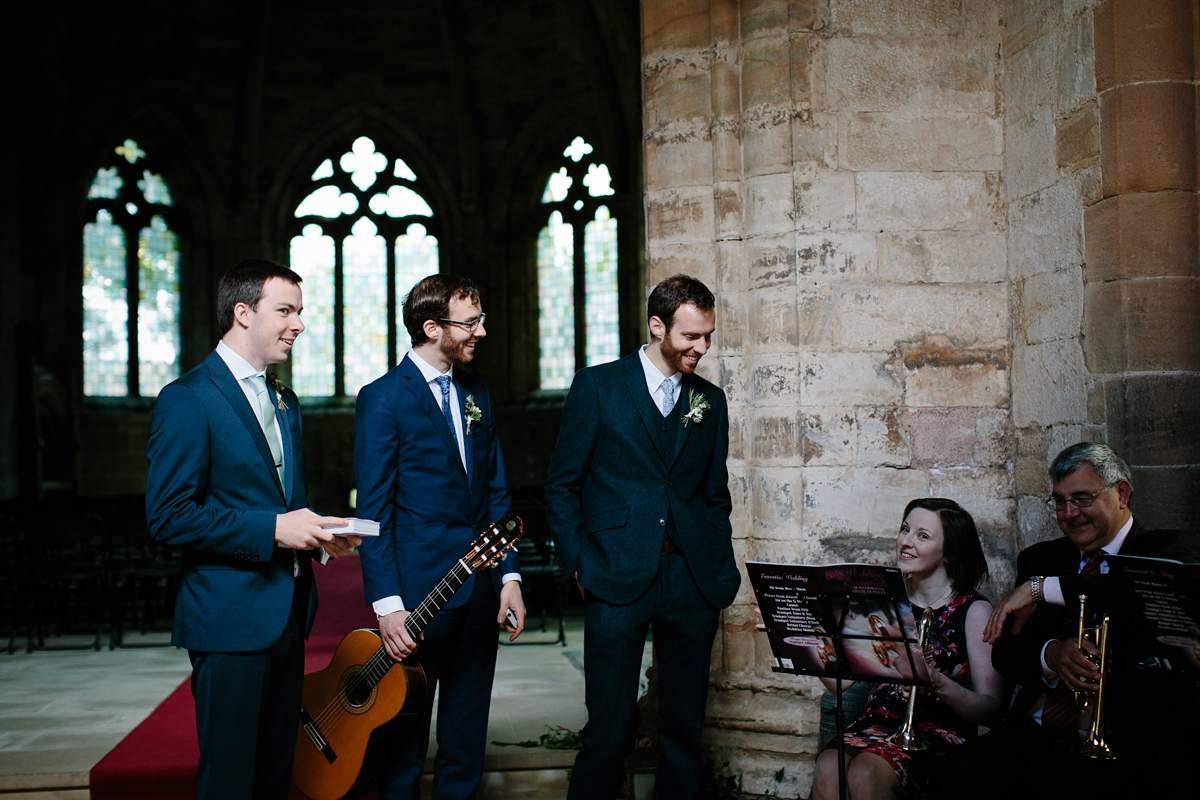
1019, 658
499, 501
177, 483
716, 493
569, 467
376, 449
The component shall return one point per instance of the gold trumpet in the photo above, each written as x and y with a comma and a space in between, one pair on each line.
1093, 744
907, 736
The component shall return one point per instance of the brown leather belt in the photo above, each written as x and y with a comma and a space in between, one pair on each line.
668, 546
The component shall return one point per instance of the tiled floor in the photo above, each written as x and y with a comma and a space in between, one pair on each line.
60, 712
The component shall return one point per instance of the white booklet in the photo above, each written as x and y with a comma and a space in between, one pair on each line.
357, 527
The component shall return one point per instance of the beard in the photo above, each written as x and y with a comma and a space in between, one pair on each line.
456, 351
674, 356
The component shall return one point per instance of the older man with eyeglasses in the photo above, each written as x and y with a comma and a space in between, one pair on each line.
1149, 712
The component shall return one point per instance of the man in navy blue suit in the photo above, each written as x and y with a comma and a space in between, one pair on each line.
639, 505
428, 467
226, 484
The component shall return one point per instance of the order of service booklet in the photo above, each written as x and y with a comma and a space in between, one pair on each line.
851, 621
1168, 599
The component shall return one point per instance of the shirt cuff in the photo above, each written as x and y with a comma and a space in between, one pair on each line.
511, 576
1052, 592
387, 605
1049, 675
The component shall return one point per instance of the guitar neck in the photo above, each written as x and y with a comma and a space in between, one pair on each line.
422, 615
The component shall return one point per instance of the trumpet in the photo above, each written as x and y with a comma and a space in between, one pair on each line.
907, 736
1094, 745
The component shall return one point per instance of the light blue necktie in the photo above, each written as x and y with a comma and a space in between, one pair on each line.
270, 428
443, 381
668, 393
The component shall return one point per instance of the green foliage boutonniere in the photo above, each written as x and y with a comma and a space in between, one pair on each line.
473, 414
278, 386
697, 405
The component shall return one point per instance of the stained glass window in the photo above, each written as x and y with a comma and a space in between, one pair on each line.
362, 238
577, 247
131, 338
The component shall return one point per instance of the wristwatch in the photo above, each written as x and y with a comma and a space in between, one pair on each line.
1035, 586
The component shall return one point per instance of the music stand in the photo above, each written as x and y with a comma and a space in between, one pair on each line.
841, 621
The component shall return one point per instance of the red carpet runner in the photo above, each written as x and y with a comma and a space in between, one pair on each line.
157, 760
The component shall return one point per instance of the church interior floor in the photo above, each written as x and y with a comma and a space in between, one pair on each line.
61, 711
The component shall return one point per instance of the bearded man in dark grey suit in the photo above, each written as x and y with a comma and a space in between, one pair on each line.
638, 501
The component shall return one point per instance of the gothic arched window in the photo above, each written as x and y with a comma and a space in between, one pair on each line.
131, 339
362, 238
577, 270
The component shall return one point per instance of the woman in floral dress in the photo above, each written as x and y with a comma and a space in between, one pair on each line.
939, 554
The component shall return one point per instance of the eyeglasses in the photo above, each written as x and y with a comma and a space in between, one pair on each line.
469, 326
1081, 500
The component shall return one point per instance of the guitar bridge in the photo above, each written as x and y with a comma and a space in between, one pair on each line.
314, 733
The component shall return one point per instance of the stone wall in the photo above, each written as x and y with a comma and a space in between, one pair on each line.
948, 239
1142, 245
834, 171
1051, 171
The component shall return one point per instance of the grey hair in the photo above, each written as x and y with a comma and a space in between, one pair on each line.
1111, 468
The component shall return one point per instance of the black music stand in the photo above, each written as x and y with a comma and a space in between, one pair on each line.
841, 621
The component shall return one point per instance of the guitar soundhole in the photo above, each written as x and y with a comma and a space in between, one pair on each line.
356, 690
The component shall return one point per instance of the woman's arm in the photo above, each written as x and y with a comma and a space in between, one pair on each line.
985, 704
831, 684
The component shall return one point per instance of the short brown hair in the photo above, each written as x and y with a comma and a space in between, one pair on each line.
430, 300
244, 283
674, 292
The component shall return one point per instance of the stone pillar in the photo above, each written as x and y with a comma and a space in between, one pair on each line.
832, 169
1142, 239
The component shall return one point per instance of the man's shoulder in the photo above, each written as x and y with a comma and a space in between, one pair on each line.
198, 377
389, 378
1049, 549
1180, 545
696, 383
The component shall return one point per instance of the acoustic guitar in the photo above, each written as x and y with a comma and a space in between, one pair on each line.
355, 708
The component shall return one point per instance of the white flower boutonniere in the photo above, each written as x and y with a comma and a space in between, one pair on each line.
278, 386
473, 414
697, 405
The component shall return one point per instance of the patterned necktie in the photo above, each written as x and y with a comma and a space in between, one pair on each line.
668, 396
270, 429
443, 382
1060, 714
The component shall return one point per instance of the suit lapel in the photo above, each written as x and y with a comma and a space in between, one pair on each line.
681, 436
424, 398
469, 441
635, 383
284, 424
219, 372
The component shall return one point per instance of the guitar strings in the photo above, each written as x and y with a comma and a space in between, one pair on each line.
362, 683
377, 666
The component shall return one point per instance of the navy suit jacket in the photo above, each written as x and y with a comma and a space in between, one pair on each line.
610, 491
212, 490
1018, 658
412, 481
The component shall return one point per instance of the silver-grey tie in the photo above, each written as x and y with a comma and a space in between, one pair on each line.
668, 393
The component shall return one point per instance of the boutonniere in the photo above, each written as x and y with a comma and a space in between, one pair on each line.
697, 405
278, 386
473, 414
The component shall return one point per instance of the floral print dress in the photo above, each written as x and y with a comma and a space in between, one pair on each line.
940, 727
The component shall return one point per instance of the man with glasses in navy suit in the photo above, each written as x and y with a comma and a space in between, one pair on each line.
428, 466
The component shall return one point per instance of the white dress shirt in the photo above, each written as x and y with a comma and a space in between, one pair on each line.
654, 380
